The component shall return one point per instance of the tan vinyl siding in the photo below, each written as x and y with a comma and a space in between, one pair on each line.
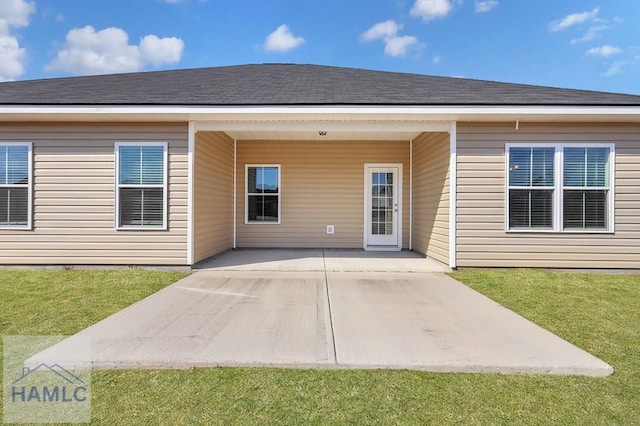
431, 195
481, 236
322, 184
74, 197
213, 194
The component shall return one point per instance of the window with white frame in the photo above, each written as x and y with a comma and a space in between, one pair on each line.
560, 187
141, 185
262, 194
15, 185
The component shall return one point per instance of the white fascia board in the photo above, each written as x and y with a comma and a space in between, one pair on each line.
433, 113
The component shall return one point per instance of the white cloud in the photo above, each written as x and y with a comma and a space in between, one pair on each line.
387, 31
16, 13
591, 34
158, 51
483, 6
282, 40
88, 51
13, 58
381, 30
615, 68
574, 19
431, 9
604, 51
437, 59
399, 45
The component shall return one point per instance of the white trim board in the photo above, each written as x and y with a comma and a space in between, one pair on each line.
190, 192
453, 194
346, 113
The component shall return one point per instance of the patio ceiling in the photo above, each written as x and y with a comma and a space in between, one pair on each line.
321, 135
319, 130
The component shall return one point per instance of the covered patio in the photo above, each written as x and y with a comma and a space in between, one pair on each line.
372, 185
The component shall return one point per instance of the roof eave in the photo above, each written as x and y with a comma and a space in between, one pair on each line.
185, 113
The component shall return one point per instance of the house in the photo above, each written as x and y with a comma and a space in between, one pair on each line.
172, 167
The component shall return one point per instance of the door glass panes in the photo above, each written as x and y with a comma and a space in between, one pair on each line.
382, 208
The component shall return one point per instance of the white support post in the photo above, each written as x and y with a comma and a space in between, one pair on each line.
235, 191
453, 193
190, 188
411, 195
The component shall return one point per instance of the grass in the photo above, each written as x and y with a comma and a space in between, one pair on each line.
59, 302
599, 313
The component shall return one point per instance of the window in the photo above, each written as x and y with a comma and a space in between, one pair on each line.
263, 194
141, 185
586, 187
560, 187
15, 185
531, 186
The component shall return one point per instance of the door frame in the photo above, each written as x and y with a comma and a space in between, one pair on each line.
367, 213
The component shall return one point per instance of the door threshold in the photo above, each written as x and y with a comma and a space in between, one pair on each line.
382, 248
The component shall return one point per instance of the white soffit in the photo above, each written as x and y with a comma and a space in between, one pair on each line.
321, 135
318, 130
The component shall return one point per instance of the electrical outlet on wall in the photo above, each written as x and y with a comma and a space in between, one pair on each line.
331, 229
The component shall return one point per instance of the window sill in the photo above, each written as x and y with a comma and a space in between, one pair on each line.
141, 228
553, 231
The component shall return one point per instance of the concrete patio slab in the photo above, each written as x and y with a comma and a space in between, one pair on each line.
432, 322
320, 260
210, 319
276, 315
302, 260
371, 261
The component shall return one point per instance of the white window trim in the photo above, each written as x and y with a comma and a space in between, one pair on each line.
164, 186
558, 188
29, 225
246, 195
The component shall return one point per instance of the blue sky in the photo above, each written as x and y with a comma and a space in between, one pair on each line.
578, 44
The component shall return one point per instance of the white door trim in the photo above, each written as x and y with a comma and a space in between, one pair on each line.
366, 214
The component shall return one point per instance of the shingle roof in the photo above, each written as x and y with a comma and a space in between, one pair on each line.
289, 84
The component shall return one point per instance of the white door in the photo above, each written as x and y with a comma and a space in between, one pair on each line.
383, 207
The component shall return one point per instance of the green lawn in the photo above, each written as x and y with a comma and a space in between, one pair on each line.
600, 313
